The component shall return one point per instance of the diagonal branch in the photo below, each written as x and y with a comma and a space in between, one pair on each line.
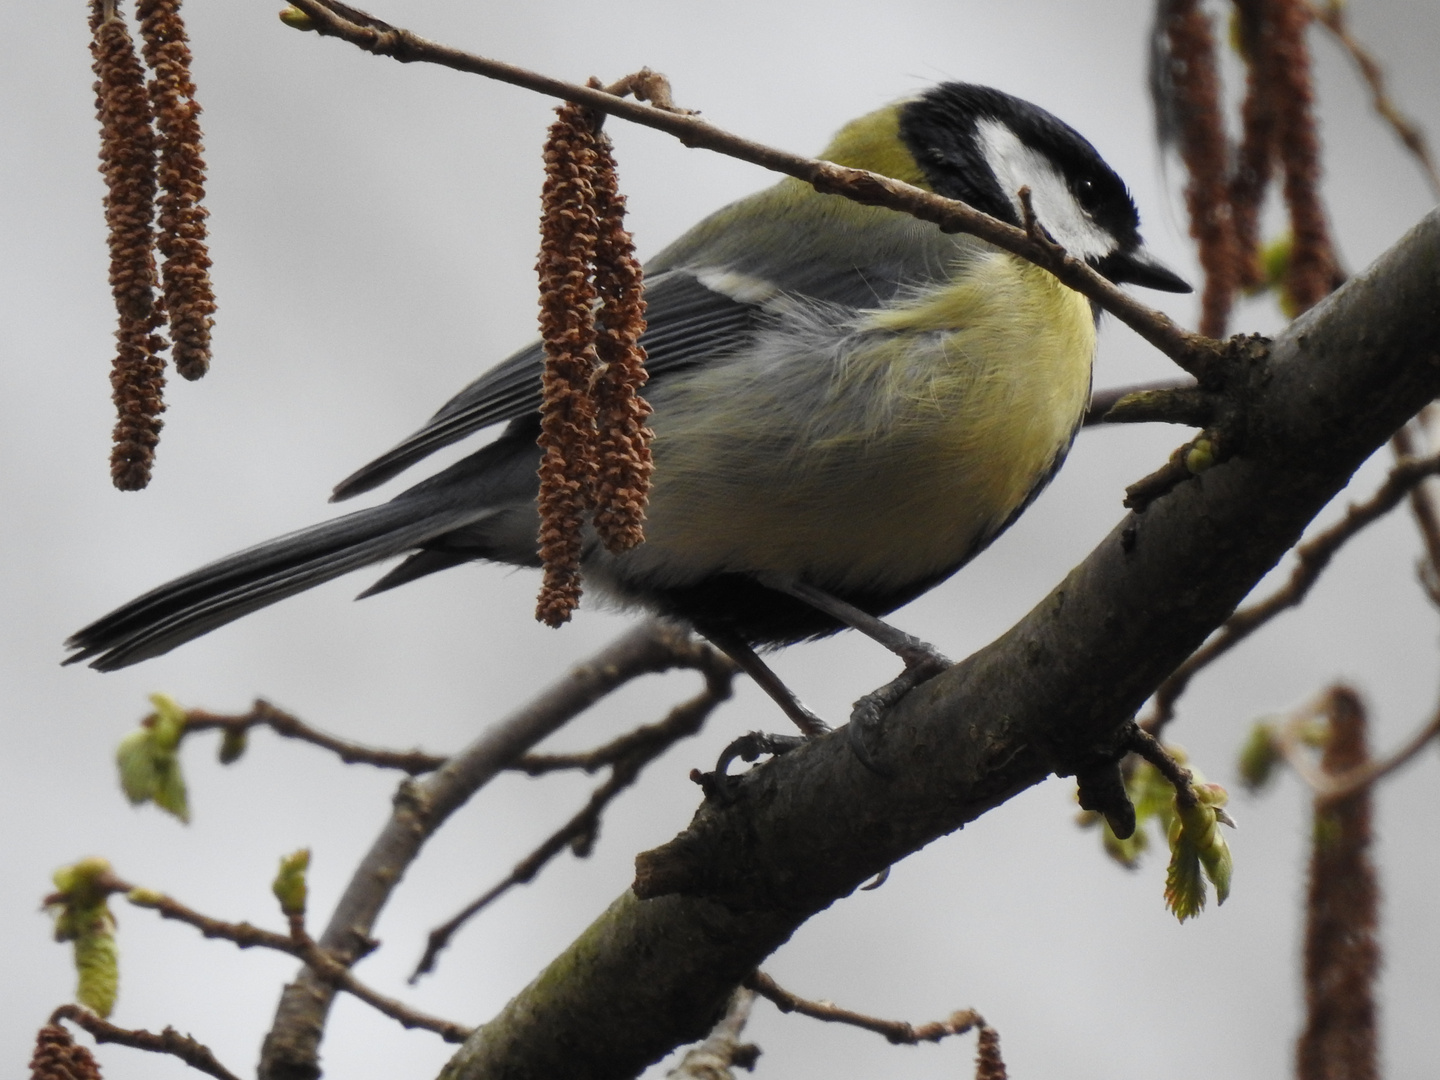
1424, 505
297, 943
722, 1049
1054, 694
1332, 16
1173, 401
291, 1048
1330, 786
1311, 559
197, 1055
627, 757
898, 1032
289, 726
1198, 355
415, 762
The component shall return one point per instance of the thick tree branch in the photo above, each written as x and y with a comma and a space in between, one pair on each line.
1052, 695
1199, 355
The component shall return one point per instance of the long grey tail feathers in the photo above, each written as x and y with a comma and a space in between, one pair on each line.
251, 579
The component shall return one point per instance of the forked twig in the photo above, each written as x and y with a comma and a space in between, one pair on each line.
627, 757
197, 1055
1331, 15
422, 806
289, 726
896, 1031
1311, 559
297, 943
1329, 786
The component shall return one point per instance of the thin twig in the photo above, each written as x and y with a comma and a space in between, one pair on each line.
1289, 741
627, 757
896, 1031
1423, 504
414, 762
722, 1049
1198, 355
1176, 470
197, 1055
1102, 401
297, 943
1311, 559
659, 736
289, 726
339, 976
1031, 224
422, 806
1332, 16
1145, 745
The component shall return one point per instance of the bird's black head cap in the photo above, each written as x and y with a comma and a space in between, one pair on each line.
981, 145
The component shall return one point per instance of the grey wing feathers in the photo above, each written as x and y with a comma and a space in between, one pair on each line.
687, 322
234, 586
487, 484
822, 254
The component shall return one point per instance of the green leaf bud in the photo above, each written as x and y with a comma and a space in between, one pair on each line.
135, 757
233, 745
97, 963
1200, 456
83, 916
146, 898
296, 19
1184, 881
168, 723
289, 886
1258, 756
149, 761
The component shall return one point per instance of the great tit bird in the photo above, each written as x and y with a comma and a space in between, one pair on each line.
849, 405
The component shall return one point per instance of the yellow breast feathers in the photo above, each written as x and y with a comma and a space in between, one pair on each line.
937, 415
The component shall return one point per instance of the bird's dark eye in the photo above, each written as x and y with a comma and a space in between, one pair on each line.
1087, 193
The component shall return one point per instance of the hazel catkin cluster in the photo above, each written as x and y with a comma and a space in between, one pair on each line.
596, 454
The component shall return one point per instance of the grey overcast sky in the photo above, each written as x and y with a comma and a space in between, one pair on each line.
374, 231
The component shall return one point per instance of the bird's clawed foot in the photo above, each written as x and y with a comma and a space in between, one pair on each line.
750, 746
922, 663
720, 785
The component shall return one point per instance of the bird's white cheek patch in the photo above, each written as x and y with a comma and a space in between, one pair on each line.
1016, 165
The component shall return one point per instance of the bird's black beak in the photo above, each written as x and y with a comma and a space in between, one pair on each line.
1139, 267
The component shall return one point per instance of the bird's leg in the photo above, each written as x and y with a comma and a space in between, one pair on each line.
746, 659
749, 747
922, 660
914, 652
